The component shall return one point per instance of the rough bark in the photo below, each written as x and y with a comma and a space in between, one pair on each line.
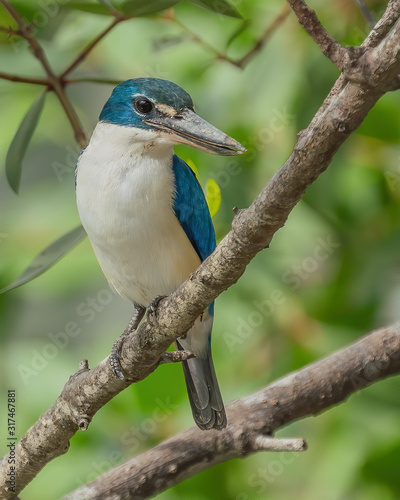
253, 419
372, 71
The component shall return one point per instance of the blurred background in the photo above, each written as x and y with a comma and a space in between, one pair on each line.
335, 265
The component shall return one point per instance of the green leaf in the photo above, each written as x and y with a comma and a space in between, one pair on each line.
132, 8
218, 6
93, 8
242, 27
20, 142
107, 4
48, 257
213, 196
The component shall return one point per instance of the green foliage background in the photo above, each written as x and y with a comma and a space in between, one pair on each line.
327, 299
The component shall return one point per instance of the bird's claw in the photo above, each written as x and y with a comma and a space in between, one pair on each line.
114, 358
151, 313
176, 356
115, 354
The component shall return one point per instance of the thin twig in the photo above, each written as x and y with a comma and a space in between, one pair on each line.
90, 47
269, 443
26, 32
23, 79
328, 45
384, 25
342, 112
10, 31
53, 81
243, 61
366, 12
107, 81
252, 420
201, 41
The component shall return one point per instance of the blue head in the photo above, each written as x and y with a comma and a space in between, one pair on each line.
159, 105
134, 100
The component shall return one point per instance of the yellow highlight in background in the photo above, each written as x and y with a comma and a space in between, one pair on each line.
212, 191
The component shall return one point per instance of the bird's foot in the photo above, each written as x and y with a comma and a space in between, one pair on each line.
151, 313
176, 356
115, 354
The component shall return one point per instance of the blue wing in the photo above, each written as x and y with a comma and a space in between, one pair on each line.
191, 209
192, 212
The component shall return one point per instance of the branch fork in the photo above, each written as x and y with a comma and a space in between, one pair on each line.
305, 392
354, 62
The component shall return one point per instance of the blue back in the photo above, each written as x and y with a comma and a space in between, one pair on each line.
192, 212
191, 209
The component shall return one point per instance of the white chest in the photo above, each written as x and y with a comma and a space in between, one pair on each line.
125, 201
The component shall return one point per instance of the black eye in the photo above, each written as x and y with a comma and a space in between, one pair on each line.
143, 105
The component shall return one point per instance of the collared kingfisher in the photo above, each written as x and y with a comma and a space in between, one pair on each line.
146, 215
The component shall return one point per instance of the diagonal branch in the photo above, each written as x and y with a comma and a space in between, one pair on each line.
384, 25
26, 32
23, 79
53, 81
85, 52
276, 23
246, 58
341, 113
253, 419
366, 12
328, 45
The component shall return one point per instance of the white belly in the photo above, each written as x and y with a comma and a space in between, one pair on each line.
126, 209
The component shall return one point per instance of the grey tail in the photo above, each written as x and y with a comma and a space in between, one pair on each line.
203, 391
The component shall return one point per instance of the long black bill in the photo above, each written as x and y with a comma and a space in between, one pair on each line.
188, 128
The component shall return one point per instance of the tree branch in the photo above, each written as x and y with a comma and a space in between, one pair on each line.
53, 81
328, 45
252, 230
85, 52
384, 25
253, 419
366, 12
23, 79
243, 61
10, 31
196, 38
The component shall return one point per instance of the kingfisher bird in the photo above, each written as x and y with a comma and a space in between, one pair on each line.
146, 215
